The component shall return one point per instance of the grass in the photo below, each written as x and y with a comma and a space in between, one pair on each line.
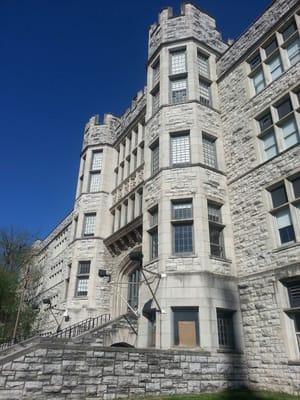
232, 395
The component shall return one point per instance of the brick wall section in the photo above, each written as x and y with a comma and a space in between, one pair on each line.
64, 371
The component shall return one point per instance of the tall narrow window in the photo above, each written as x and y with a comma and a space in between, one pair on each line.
203, 64
178, 91
205, 93
209, 151
225, 328
285, 226
95, 172
94, 181
182, 225
83, 278
215, 230
156, 72
133, 288
155, 100
178, 62
271, 47
275, 67
288, 31
180, 149
186, 326
153, 233
258, 81
293, 288
89, 224
97, 160
267, 136
290, 132
293, 51
155, 158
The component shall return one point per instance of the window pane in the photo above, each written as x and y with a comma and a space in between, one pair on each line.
153, 218
94, 182
89, 224
209, 151
155, 159
178, 89
182, 210
133, 288
294, 294
225, 328
285, 227
82, 286
290, 132
178, 62
180, 149
153, 245
279, 196
289, 30
293, 51
84, 267
270, 145
97, 160
183, 238
155, 101
216, 241
203, 64
265, 121
284, 108
255, 61
272, 46
296, 187
275, 67
214, 213
258, 81
156, 72
205, 94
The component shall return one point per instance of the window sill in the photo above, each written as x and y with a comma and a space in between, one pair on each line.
81, 298
229, 351
180, 255
286, 247
220, 259
294, 362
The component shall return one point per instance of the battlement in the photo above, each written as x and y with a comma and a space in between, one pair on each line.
192, 22
100, 132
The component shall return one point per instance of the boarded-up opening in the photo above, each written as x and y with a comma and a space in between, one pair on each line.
186, 326
187, 333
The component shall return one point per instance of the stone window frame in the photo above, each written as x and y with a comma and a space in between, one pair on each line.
153, 232
217, 225
226, 322
260, 59
274, 129
171, 137
292, 206
82, 275
86, 232
213, 139
196, 319
182, 221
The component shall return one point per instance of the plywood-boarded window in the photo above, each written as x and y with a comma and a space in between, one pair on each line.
186, 326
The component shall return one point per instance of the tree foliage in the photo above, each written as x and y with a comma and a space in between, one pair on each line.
18, 277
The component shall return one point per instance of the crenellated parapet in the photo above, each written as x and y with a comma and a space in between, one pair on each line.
191, 23
100, 133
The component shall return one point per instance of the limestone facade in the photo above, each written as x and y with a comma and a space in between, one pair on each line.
188, 178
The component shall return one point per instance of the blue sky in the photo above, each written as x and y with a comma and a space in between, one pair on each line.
63, 61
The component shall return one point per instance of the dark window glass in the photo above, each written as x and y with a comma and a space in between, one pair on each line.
84, 267
287, 234
186, 326
289, 30
279, 196
225, 328
182, 210
294, 294
133, 288
154, 244
214, 213
272, 46
216, 240
265, 121
183, 238
255, 61
296, 186
284, 108
155, 158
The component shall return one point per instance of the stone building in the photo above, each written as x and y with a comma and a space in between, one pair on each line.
187, 209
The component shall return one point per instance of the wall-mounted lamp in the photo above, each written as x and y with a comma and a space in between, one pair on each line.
102, 273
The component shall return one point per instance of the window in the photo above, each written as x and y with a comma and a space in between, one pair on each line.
97, 160
278, 128
186, 326
180, 149
293, 51
255, 61
155, 100
271, 47
293, 288
258, 81
182, 226
205, 93
275, 67
89, 224
132, 198
94, 182
203, 64
156, 72
178, 91
153, 233
155, 158
83, 278
284, 198
95, 171
125, 210
225, 328
133, 289
178, 62
289, 30
215, 230
209, 151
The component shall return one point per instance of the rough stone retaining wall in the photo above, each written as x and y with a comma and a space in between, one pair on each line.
63, 371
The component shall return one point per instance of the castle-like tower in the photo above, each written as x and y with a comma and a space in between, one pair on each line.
187, 206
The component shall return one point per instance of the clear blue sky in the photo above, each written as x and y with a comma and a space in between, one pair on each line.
63, 61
